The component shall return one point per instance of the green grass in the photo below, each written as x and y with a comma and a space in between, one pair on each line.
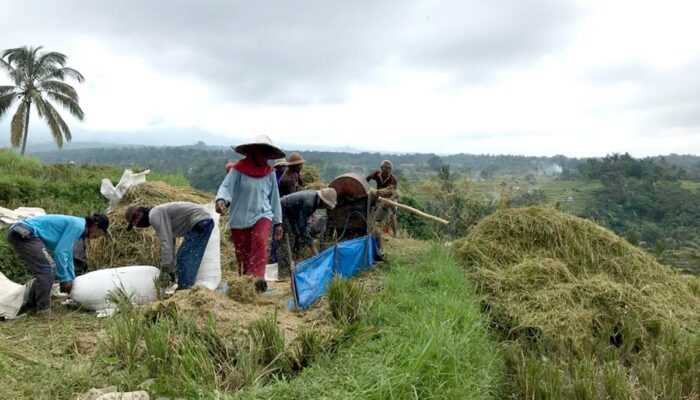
423, 338
50, 359
59, 189
690, 185
556, 191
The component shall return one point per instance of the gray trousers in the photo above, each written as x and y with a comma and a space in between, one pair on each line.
39, 262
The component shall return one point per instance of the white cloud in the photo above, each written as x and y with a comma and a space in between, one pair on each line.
123, 93
610, 80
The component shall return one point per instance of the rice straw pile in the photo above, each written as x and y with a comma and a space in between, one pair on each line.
140, 246
569, 291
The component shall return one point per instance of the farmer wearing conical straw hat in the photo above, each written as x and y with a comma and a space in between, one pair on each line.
250, 194
291, 181
296, 210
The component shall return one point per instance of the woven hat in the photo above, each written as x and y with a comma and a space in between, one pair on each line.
328, 196
262, 142
280, 162
295, 159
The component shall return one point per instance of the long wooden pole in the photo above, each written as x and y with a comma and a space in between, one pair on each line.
292, 271
414, 211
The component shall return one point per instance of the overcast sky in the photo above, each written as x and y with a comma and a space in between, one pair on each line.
537, 77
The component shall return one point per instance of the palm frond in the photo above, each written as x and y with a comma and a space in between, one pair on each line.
68, 103
6, 66
12, 54
59, 87
17, 125
47, 63
63, 73
59, 128
22, 57
6, 101
14, 61
6, 89
39, 103
18, 76
48, 116
52, 58
31, 61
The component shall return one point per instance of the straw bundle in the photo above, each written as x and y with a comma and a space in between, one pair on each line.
311, 176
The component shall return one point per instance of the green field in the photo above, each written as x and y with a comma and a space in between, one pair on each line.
424, 338
572, 196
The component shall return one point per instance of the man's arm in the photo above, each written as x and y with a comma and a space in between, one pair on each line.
276, 208
226, 187
275, 201
308, 206
371, 176
161, 223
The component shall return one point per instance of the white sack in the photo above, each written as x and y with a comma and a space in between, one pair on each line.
209, 274
138, 282
12, 297
9, 217
272, 272
128, 180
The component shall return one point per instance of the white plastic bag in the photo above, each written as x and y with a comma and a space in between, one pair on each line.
114, 194
209, 274
12, 297
9, 217
138, 282
272, 272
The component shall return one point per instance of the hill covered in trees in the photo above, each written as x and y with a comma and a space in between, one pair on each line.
653, 202
204, 165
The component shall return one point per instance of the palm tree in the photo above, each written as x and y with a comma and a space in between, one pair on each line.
38, 77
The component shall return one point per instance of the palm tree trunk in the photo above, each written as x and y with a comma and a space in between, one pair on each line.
26, 127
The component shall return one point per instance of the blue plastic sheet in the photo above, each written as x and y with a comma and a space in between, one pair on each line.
348, 258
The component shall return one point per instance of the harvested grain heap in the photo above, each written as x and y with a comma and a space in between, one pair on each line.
566, 288
140, 246
311, 175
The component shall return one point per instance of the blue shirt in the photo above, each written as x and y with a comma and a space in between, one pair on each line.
59, 233
250, 199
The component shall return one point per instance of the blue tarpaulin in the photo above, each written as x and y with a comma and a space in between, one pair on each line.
313, 275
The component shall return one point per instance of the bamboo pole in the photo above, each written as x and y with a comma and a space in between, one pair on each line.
414, 211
